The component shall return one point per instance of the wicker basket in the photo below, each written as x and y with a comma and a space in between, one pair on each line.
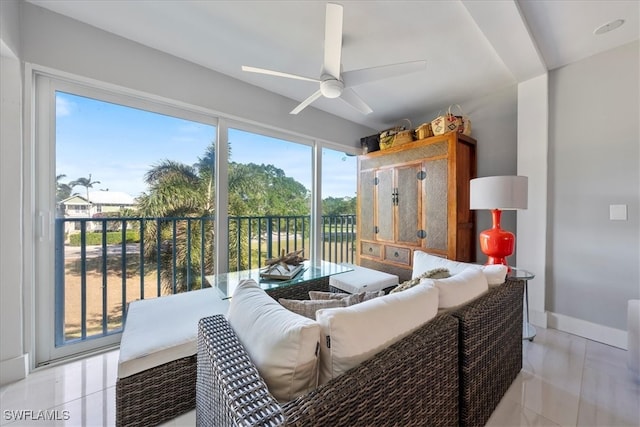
395, 136
424, 131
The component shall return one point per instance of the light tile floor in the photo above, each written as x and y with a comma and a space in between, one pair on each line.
566, 380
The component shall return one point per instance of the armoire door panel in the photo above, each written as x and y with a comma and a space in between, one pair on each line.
366, 200
409, 209
436, 204
384, 205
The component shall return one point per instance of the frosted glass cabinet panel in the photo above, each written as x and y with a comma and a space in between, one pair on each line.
414, 197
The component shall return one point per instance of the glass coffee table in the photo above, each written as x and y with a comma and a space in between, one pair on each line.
311, 273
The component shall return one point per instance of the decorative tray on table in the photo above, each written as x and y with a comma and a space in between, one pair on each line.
284, 268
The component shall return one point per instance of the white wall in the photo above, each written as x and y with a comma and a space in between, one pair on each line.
594, 142
51, 41
13, 360
64, 44
494, 125
533, 136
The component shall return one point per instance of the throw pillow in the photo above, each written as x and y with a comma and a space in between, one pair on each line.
319, 295
362, 296
459, 288
282, 344
308, 308
436, 273
351, 335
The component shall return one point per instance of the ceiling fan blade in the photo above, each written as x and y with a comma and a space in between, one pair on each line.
333, 40
366, 75
306, 102
352, 98
278, 74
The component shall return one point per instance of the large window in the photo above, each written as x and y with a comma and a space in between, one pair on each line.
128, 205
269, 198
339, 186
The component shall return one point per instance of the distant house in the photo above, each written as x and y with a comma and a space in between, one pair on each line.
99, 203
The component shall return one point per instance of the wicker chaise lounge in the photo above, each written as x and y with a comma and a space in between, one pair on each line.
452, 370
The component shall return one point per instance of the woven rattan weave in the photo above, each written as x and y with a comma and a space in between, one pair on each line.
490, 350
413, 382
156, 395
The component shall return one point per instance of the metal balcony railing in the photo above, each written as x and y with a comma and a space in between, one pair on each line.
102, 264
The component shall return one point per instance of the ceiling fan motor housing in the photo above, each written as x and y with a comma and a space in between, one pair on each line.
331, 87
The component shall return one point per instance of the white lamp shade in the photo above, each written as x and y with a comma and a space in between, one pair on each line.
499, 192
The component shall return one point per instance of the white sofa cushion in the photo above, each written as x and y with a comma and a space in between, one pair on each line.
362, 279
459, 289
351, 335
495, 273
283, 345
424, 262
161, 330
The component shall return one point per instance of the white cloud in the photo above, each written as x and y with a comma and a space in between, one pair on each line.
63, 106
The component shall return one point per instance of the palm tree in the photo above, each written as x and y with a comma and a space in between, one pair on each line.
176, 190
84, 182
62, 190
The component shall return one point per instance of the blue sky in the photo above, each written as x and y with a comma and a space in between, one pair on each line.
117, 145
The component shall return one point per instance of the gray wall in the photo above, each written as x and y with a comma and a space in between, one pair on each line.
494, 121
594, 139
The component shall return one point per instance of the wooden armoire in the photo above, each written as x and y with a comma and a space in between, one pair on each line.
416, 197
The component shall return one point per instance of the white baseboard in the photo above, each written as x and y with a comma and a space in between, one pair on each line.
12, 370
592, 331
538, 318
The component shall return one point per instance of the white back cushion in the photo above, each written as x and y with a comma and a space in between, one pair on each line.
495, 273
459, 289
283, 345
351, 335
423, 262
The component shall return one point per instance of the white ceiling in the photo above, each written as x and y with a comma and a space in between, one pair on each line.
472, 47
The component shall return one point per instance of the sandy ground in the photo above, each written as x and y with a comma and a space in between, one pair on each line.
111, 290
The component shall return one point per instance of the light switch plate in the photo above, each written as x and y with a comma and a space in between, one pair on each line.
618, 212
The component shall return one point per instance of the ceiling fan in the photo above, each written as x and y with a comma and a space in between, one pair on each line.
333, 83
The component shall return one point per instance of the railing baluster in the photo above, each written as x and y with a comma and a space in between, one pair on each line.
59, 282
250, 261
141, 258
188, 254
202, 231
259, 241
158, 256
83, 279
104, 276
174, 254
123, 254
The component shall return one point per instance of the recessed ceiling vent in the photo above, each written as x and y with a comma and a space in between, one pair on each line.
609, 26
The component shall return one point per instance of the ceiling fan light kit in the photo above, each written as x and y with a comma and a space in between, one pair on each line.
333, 83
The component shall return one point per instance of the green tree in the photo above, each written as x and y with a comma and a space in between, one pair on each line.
84, 182
176, 190
179, 190
339, 206
63, 190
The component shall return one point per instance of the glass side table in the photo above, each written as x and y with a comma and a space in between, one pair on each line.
528, 331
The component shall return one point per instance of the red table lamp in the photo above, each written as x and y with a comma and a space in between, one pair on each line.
498, 193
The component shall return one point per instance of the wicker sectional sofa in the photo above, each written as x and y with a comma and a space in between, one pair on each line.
453, 370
